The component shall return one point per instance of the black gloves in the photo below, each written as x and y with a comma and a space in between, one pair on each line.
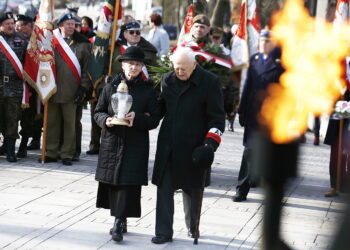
203, 156
80, 94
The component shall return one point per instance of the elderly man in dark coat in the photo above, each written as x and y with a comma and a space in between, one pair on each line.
194, 119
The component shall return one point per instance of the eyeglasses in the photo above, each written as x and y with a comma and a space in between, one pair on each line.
216, 37
136, 32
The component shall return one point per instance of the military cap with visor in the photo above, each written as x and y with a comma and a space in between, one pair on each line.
65, 17
131, 26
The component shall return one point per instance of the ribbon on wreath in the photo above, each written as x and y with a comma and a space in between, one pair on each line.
205, 55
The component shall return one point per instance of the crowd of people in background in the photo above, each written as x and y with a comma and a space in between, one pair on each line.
193, 101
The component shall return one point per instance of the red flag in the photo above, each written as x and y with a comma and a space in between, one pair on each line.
186, 27
39, 66
245, 42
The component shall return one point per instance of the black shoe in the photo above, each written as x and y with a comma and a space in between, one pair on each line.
93, 151
125, 227
33, 145
67, 162
117, 232
239, 198
161, 239
47, 159
11, 158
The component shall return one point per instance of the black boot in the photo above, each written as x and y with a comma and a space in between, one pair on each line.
22, 151
10, 150
117, 232
125, 227
3, 147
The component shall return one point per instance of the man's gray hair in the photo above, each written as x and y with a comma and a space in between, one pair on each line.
183, 52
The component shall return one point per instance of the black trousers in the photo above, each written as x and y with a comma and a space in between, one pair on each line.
243, 185
165, 206
78, 129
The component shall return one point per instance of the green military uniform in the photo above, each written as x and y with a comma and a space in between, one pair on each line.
62, 106
11, 90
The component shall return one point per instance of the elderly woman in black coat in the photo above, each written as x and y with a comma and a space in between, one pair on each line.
123, 158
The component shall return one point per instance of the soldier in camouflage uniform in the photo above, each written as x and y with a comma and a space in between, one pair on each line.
11, 85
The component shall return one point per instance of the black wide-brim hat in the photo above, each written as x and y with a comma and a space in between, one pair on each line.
133, 53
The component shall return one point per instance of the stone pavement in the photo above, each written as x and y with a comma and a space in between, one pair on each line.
52, 206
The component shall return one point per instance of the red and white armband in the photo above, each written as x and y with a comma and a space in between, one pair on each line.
215, 134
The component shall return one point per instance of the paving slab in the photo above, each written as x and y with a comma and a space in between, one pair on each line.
52, 206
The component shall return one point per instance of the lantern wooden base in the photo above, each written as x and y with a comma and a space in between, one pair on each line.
119, 121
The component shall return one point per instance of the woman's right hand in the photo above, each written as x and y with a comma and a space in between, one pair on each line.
108, 122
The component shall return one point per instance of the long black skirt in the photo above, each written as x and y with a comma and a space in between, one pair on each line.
123, 201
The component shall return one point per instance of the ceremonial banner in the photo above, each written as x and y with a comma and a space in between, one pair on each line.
99, 56
246, 39
186, 27
39, 66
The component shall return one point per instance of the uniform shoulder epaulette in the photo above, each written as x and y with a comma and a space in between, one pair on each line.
277, 60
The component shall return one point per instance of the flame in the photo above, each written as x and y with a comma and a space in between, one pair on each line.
312, 52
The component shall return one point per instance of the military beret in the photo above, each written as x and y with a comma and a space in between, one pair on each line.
202, 19
65, 17
265, 34
24, 18
131, 26
5, 16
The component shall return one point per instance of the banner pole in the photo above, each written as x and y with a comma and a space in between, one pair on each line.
114, 32
43, 148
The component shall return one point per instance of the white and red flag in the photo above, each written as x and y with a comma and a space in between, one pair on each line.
246, 39
39, 66
186, 27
